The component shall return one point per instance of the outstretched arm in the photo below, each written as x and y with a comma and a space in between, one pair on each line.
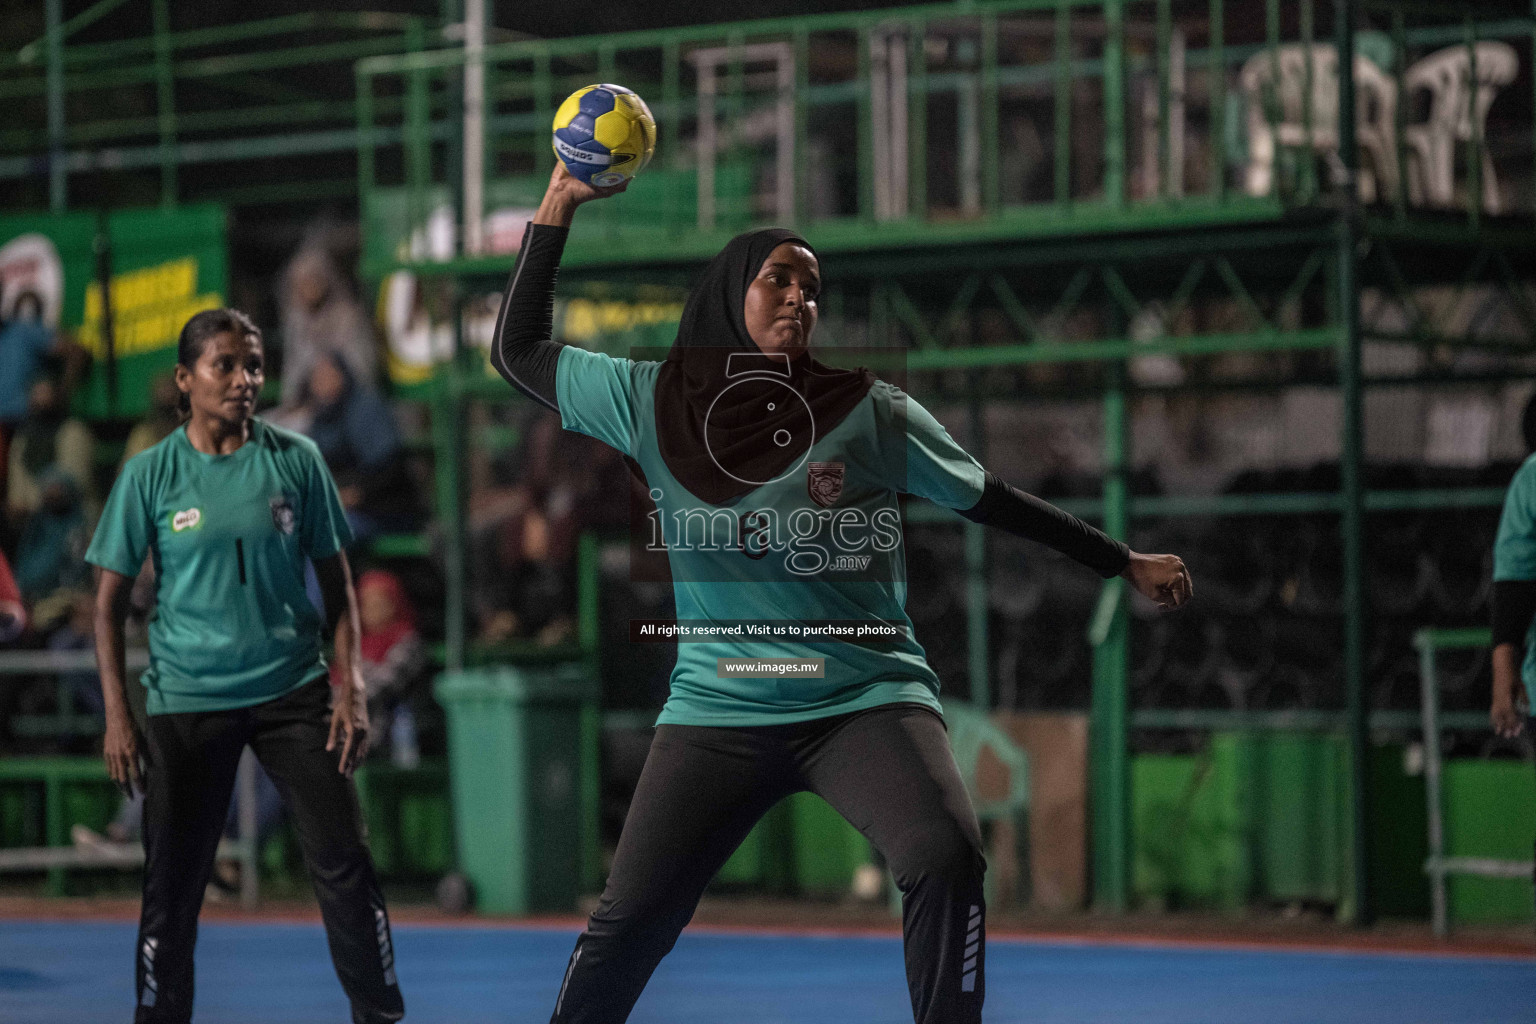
1162, 578
1011, 510
522, 350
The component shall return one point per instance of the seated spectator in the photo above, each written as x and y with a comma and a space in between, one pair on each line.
525, 524
162, 417
321, 316
26, 341
360, 442
394, 663
526, 587
49, 441
50, 557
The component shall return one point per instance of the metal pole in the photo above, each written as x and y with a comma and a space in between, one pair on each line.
102, 243
365, 154
1217, 70
968, 166
1062, 142
880, 43
707, 146
1109, 721
165, 101
57, 176
1475, 136
900, 140
784, 155
1114, 102
449, 441
802, 88
917, 122
417, 141
1429, 710
989, 114
1271, 93
1164, 162
1352, 497
1307, 173
474, 126
453, 157
865, 138
1400, 116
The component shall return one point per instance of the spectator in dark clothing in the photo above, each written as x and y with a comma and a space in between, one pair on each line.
358, 437
528, 590
50, 565
48, 441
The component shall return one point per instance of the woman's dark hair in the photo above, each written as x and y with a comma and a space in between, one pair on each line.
210, 323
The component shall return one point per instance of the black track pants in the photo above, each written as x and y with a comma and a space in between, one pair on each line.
889, 771
190, 774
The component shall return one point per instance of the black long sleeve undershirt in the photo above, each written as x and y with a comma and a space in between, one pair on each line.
522, 349
1011, 510
1514, 605
523, 352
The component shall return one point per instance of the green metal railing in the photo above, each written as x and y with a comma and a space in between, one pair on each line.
1430, 642
1117, 200
878, 87
264, 107
892, 95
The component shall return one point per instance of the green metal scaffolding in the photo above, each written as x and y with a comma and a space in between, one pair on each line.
1097, 237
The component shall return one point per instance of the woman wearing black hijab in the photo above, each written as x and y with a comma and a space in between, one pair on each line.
775, 481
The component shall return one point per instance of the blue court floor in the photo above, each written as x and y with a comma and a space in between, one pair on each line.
70, 972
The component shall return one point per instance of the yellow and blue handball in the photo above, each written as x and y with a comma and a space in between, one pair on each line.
604, 134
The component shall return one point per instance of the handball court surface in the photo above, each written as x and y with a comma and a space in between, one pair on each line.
274, 969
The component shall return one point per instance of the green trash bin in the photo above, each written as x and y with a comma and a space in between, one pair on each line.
522, 754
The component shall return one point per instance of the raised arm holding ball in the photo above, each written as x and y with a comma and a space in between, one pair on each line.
742, 428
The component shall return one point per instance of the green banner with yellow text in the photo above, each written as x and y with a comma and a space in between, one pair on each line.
162, 266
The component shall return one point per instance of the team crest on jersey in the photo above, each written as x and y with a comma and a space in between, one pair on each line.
824, 482
283, 516
186, 519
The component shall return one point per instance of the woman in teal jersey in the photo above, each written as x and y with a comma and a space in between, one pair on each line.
228, 508
775, 481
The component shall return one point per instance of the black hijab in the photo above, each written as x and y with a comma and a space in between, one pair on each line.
722, 439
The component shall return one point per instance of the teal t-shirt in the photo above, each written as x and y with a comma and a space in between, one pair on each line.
1514, 553
228, 534
820, 542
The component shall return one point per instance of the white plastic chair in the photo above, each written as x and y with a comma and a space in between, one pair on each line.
1375, 112
1431, 144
